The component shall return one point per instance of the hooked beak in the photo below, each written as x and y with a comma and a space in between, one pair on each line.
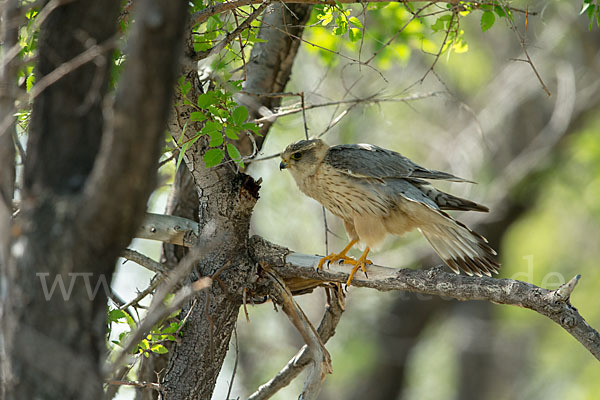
283, 165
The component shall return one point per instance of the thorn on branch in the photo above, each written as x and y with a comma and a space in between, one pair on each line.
563, 293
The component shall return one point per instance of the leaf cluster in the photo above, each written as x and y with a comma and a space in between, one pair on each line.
165, 331
223, 122
592, 9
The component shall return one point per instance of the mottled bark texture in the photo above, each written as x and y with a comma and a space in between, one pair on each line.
89, 168
225, 201
8, 90
182, 202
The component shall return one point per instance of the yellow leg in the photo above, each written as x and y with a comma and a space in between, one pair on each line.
339, 256
360, 263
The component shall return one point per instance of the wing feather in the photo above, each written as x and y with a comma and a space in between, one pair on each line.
369, 161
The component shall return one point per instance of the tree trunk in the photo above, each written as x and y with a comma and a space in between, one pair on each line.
226, 199
87, 180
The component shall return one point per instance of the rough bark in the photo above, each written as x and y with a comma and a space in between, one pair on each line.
88, 169
182, 202
8, 92
226, 199
554, 304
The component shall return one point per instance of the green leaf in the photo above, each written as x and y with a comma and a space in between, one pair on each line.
441, 23
116, 315
197, 116
500, 12
239, 115
144, 344
234, 153
231, 133
210, 126
213, 157
251, 127
342, 25
356, 22
159, 349
29, 82
172, 328
487, 20
206, 99
184, 85
216, 138
181, 154
354, 34
586, 4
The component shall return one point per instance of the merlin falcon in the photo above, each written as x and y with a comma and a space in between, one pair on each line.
377, 192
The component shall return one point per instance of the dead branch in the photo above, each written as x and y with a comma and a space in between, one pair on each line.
333, 313
554, 304
319, 356
169, 229
139, 384
144, 261
368, 100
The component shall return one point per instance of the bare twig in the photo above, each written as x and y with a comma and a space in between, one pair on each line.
523, 44
144, 261
304, 115
140, 384
142, 294
235, 363
232, 35
366, 100
76, 62
320, 358
331, 317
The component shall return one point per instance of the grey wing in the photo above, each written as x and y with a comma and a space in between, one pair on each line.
369, 161
456, 244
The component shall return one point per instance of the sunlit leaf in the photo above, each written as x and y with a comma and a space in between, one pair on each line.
487, 20
159, 349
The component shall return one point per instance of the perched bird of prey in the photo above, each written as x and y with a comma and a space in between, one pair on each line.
377, 192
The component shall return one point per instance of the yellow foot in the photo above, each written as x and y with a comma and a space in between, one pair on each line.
339, 256
361, 263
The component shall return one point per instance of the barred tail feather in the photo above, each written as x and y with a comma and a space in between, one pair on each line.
461, 248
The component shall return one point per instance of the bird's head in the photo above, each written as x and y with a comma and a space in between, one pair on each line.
303, 158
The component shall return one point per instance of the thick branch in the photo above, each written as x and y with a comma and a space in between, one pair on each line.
554, 304
169, 229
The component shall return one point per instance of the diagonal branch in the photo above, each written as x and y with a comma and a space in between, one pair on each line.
317, 353
332, 316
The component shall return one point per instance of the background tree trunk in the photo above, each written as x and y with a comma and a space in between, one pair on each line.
87, 179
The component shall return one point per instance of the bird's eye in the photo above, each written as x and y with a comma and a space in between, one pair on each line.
296, 156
